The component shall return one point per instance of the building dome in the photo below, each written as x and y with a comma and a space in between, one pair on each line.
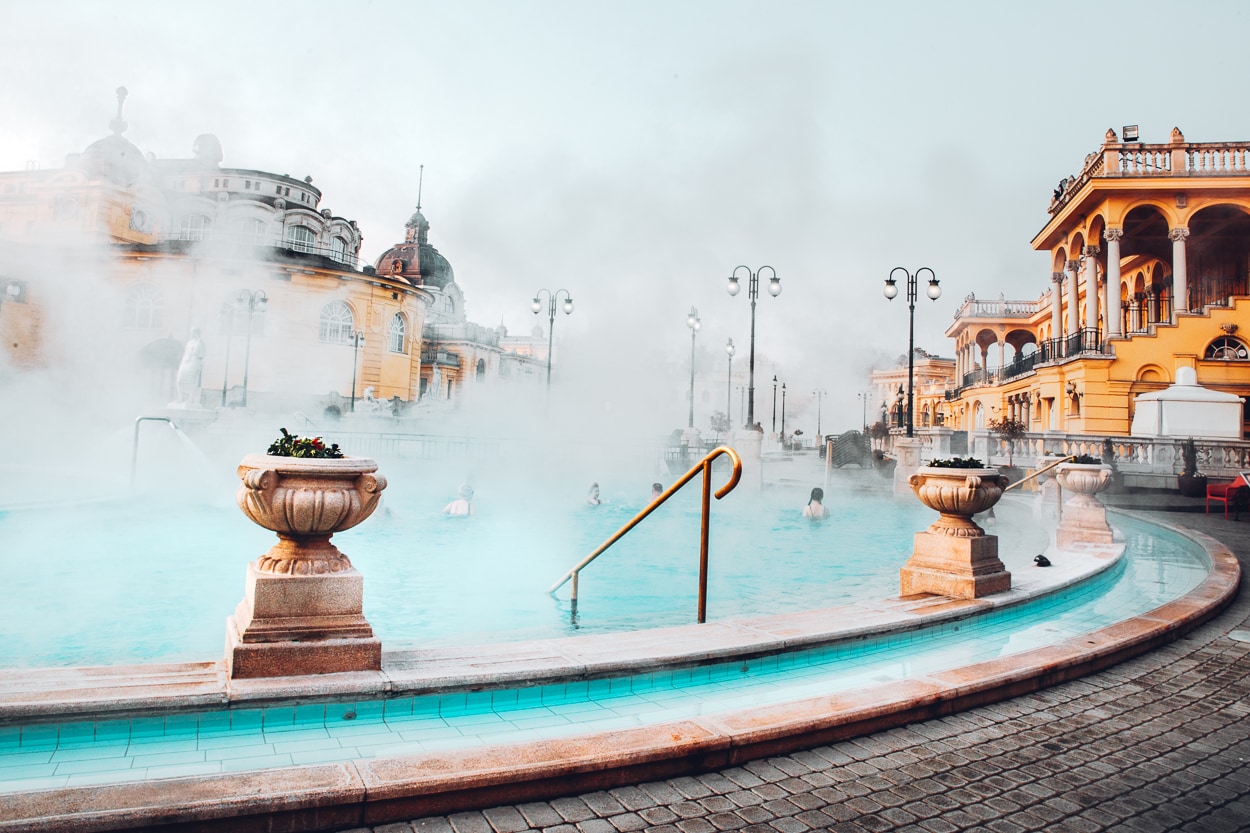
114, 157
415, 260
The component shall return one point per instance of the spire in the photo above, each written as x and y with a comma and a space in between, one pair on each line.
420, 183
417, 226
118, 125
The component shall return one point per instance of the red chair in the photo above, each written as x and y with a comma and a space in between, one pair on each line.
1227, 493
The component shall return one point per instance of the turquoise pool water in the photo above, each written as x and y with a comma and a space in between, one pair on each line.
139, 581
1159, 566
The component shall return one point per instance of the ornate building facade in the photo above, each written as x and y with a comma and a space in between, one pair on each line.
272, 279
1149, 246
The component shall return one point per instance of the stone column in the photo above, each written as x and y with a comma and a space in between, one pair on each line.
1074, 300
1112, 314
1056, 307
1090, 256
1180, 282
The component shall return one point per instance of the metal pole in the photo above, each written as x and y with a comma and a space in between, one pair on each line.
911, 345
551, 333
774, 404
729, 384
751, 375
225, 376
247, 351
356, 336
783, 412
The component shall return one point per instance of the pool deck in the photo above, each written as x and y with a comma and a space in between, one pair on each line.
961, 762
1158, 743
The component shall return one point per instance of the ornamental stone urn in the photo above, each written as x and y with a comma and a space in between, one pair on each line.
1083, 518
955, 557
302, 611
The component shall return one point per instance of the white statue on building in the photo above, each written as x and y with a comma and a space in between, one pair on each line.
190, 371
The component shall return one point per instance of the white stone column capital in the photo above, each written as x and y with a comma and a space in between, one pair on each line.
1113, 234
1178, 235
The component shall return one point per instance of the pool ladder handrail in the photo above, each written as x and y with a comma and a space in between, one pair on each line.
134, 451
1040, 471
704, 466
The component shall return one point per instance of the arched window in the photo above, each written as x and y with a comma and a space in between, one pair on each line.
250, 231
337, 323
302, 238
481, 369
398, 342
1227, 349
144, 308
194, 227
338, 250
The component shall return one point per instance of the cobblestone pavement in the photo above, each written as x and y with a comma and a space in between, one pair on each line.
1159, 743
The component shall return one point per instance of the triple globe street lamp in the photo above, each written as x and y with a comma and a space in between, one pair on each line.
537, 307
753, 291
890, 291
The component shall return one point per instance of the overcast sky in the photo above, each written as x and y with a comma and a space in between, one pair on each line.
636, 152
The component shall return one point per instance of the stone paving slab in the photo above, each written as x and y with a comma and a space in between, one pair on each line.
1158, 743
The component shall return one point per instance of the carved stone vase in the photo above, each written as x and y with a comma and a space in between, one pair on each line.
954, 556
302, 612
1083, 518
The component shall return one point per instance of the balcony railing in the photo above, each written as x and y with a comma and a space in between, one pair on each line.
1131, 159
1002, 308
242, 241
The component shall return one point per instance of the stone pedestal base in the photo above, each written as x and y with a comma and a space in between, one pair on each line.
961, 568
908, 454
292, 625
1084, 521
748, 444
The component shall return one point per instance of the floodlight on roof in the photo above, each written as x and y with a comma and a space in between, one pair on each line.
1130, 133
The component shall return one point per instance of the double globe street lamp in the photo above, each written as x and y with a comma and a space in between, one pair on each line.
753, 291
890, 291
253, 301
358, 338
729, 381
537, 307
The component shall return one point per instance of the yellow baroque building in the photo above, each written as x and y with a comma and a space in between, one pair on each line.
156, 251
1149, 247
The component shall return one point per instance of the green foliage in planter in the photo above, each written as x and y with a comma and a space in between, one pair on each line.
291, 445
957, 463
1085, 460
1189, 458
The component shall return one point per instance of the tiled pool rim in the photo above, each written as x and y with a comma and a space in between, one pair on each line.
340, 795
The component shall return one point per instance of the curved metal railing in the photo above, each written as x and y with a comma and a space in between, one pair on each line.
703, 467
1024, 480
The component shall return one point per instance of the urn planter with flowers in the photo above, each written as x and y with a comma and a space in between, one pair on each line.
1083, 518
302, 611
954, 556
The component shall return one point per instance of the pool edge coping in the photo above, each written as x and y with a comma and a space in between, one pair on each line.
374, 791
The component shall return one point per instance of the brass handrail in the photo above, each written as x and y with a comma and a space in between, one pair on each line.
1023, 480
704, 466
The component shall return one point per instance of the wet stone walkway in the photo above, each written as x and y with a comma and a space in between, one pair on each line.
1159, 743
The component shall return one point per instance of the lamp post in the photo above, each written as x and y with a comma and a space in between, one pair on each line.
358, 338
693, 322
753, 291
783, 413
774, 404
863, 401
255, 301
820, 395
537, 307
934, 292
729, 380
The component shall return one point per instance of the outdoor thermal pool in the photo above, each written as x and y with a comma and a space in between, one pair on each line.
148, 579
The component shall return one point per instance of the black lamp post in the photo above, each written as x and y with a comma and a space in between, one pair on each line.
863, 401
255, 302
693, 322
753, 291
820, 395
729, 380
934, 292
537, 307
774, 404
358, 338
783, 413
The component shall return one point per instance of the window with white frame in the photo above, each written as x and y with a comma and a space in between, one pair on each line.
338, 250
194, 227
144, 308
399, 333
250, 231
337, 323
302, 238
1227, 349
